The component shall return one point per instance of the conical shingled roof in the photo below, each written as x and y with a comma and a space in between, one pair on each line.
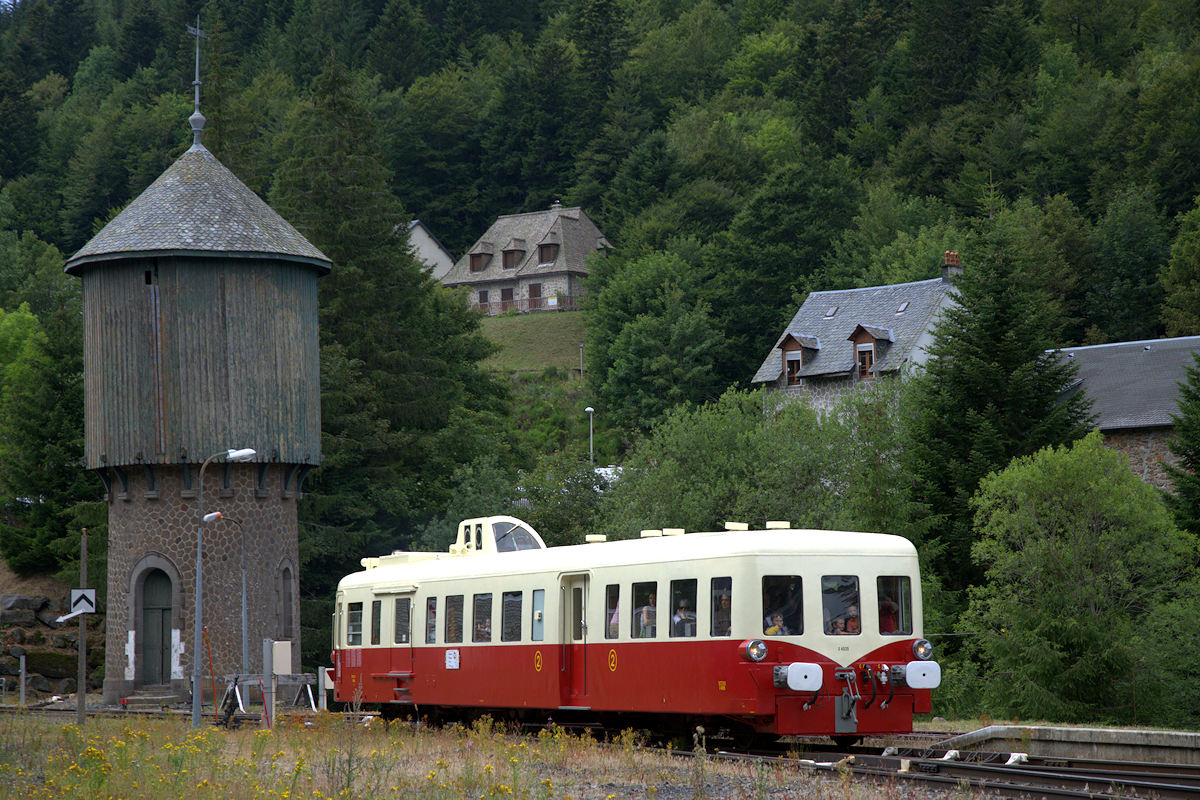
198, 207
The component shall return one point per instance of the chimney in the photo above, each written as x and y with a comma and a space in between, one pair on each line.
950, 267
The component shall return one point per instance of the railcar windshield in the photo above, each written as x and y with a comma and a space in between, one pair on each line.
511, 537
782, 605
895, 605
840, 604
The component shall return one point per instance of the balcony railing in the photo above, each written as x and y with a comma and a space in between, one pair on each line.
534, 305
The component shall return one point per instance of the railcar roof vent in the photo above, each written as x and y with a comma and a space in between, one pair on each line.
673, 531
778, 524
736, 526
595, 538
650, 533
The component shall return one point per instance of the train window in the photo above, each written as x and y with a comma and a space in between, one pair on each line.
454, 618
431, 620
895, 604
478, 536
721, 606
403, 620
645, 615
782, 605
839, 600
510, 617
612, 604
537, 623
376, 621
481, 618
683, 601
511, 537
354, 624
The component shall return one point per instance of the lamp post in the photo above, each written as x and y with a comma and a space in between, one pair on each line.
591, 440
230, 455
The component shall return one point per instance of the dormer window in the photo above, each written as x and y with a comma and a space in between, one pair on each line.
479, 261
794, 360
513, 258
866, 360
547, 253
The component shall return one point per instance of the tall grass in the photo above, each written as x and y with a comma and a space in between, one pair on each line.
327, 757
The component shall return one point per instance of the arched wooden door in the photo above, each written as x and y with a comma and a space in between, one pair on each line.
156, 628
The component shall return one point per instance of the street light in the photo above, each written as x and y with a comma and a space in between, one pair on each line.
591, 446
230, 455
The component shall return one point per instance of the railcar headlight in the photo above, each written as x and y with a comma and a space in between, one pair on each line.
756, 650
922, 650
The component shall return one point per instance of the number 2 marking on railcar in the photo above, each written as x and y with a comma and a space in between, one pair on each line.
537, 660
612, 660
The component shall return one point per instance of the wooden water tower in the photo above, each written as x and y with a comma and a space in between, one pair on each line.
200, 335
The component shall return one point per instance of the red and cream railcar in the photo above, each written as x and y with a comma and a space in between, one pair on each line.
776, 631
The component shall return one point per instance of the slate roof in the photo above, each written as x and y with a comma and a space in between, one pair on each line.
570, 228
876, 309
1134, 384
198, 207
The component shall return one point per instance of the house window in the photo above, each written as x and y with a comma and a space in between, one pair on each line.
512, 258
547, 253
483, 299
506, 299
479, 261
866, 360
793, 372
830, 312
535, 295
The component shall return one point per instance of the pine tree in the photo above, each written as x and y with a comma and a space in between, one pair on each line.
398, 353
1184, 500
990, 392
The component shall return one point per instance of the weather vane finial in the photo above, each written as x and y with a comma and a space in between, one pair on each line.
197, 119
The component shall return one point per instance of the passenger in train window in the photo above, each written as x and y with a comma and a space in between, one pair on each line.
852, 623
646, 619
483, 631
722, 615
683, 623
887, 615
776, 628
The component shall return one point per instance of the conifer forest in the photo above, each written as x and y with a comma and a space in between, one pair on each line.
737, 154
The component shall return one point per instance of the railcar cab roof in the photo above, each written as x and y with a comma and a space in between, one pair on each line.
485, 535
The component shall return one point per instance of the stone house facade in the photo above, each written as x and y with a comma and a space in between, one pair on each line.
530, 262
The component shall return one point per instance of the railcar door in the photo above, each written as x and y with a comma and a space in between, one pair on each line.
573, 638
401, 659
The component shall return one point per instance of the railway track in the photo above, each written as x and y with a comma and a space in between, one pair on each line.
1001, 774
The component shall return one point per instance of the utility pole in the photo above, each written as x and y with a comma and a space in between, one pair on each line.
81, 677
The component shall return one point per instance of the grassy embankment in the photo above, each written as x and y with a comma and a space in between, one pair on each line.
324, 757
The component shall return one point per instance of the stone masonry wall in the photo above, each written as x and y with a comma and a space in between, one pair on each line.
156, 529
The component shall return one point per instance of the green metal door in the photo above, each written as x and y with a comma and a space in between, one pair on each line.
156, 628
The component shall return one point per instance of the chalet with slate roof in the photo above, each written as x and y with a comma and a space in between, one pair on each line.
839, 339
1134, 387
530, 262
